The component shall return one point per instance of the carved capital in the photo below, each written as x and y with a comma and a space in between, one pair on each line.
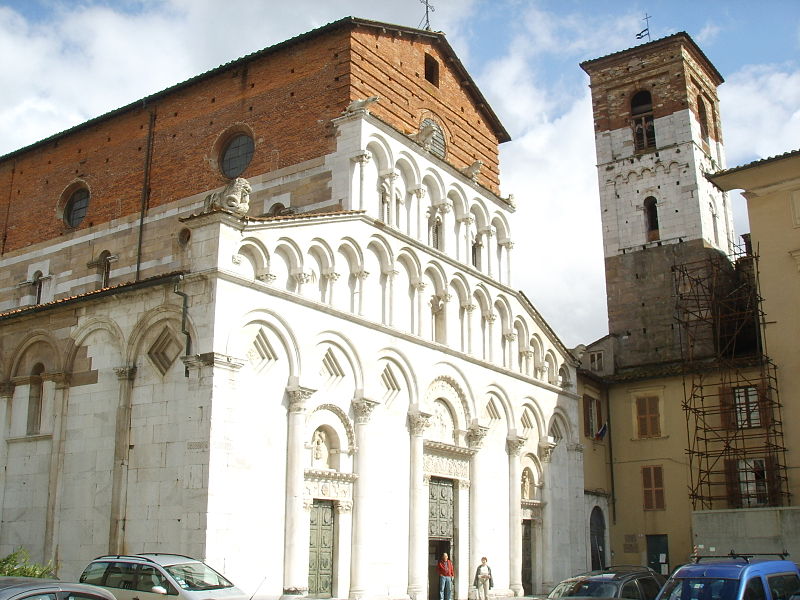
390, 176
475, 436
527, 353
444, 208
469, 307
508, 245
546, 450
418, 191
418, 422
302, 277
60, 379
331, 276
420, 285
267, 277
487, 231
467, 220
363, 407
362, 275
391, 273
510, 336
515, 444
125, 373
297, 397
362, 158
490, 317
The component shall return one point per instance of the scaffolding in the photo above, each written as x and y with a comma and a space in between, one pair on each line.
736, 451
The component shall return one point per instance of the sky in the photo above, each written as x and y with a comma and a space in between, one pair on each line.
64, 62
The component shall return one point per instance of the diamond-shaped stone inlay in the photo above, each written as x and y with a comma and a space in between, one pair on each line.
164, 350
389, 381
331, 370
261, 352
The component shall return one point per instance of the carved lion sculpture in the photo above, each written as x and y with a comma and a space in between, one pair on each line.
472, 170
360, 104
234, 198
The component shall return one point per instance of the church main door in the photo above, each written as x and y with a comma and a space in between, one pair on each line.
320, 555
441, 513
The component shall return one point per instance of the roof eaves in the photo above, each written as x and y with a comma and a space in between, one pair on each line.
755, 163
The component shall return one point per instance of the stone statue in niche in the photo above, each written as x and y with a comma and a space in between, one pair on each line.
526, 485
320, 452
234, 198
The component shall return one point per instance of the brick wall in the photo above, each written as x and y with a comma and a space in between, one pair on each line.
284, 97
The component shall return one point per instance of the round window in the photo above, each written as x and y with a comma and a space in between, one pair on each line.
76, 207
237, 155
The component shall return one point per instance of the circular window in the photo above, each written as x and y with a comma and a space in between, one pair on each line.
237, 155
75, 210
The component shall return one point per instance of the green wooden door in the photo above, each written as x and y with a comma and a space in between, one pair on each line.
320, 556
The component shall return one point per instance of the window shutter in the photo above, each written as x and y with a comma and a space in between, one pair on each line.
647, 487
773, 481
658, 485
641, 417
732, 483
727, 409
655, 418
587, 417
764, 406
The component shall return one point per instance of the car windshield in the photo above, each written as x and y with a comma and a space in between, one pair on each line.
585, 588
196, 577
700, 588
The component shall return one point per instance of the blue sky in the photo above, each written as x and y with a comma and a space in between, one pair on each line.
66, 62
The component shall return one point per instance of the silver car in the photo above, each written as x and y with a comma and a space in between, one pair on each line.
32, 588
154, 576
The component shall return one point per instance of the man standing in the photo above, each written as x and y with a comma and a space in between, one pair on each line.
446, 575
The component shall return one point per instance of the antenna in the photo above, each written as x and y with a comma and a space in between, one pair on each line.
426, 21
644, 32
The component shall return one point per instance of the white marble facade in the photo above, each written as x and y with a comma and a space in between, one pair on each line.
348, 356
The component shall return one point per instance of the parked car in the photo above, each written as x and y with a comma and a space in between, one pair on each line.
153, 576
735, 577
623, 581
20, 588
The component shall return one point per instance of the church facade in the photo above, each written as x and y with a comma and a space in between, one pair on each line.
266, 318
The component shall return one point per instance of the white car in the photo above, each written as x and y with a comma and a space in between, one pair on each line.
154, 576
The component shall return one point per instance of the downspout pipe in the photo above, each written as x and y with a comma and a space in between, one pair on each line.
184, 316
145, 189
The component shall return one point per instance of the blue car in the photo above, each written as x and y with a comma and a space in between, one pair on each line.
736, 577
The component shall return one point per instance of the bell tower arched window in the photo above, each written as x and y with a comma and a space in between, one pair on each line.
651, 219
702, 116
644, 133
38, 286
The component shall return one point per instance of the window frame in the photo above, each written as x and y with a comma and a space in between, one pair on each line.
648, 421
72, 216
592, 416
653, 495
225, 159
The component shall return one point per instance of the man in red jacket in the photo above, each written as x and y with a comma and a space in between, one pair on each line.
446, 575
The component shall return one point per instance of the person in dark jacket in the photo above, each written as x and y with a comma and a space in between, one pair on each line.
483, 579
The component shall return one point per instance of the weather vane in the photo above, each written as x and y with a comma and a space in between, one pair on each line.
426, 22
646, 31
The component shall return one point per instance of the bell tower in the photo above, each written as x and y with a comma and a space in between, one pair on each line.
657, 133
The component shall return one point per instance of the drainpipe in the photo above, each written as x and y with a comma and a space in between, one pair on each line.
145, 188
184, 314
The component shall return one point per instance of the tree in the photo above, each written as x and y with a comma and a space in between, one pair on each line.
19, 564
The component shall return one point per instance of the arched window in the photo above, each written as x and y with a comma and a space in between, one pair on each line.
644, 133
651, 219
597, 538
436, 144
702, 116
105, 268
38, 284
436, 232
35, 400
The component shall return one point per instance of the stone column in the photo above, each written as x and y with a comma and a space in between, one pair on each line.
528, 358
508, 356
490, 319
488, 233
420, 287
362, 159
419, 194
389, 293
361, 276
389, 177
464, 572
55, 393
468, 310
295, 561
6, 398
363, 497
119, 476
418, 509
509, 246
475, 437
331, 278
514, 445
342, 557
467, 224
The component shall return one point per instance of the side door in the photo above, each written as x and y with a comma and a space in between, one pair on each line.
649, 587
630, 590
152, 584
120, 579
